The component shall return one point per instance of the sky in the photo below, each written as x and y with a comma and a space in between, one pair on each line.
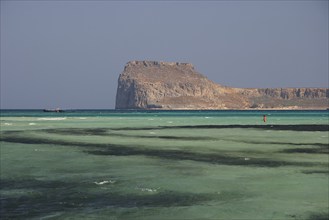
69, 54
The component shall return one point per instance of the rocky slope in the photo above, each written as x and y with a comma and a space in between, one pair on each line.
171, 85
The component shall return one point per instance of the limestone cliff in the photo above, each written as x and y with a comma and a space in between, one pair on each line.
173, 85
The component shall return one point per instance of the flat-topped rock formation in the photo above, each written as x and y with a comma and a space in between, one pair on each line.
173, 85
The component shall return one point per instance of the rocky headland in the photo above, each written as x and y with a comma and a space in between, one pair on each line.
173, 85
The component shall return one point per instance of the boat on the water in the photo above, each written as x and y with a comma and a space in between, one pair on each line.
53, 110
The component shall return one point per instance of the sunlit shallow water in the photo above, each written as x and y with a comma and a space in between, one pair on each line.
164, 165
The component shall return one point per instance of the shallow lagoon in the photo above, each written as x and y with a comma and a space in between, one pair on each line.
164, 165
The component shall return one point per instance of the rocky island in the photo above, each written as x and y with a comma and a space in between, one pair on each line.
173, 85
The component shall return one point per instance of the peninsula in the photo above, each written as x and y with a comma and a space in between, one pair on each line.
174, 85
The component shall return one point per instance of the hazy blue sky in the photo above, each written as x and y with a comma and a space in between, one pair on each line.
69, 54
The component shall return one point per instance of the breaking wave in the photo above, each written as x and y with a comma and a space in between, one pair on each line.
51, 119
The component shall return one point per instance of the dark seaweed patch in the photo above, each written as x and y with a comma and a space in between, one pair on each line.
322, 145
306, 150
316, 172
194, 138
78, 131
48, 197
123, 150
166, 137
29, 140
321, 149
298, 127
198, 157
319, 216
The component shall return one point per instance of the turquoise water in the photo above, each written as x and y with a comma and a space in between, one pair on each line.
98, 164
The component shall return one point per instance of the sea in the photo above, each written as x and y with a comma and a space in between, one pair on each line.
111, 164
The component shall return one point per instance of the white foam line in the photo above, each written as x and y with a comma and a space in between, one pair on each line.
147, 189
51, 119
105, 182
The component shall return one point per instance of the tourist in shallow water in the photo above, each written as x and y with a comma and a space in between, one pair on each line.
264, 118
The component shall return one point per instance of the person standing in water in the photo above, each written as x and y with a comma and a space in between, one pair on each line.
264, 118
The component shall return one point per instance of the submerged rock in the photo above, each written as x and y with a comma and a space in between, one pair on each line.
173, 85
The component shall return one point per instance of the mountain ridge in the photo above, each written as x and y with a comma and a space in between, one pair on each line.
175, 85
